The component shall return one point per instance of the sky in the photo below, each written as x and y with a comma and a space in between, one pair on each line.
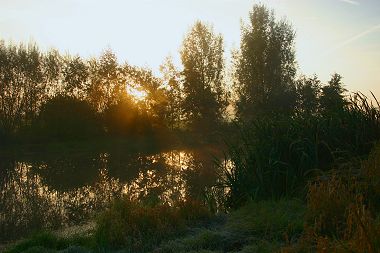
340, 36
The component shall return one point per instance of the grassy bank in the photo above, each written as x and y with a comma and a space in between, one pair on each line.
257, 227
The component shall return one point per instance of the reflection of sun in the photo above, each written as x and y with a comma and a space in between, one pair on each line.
137, 94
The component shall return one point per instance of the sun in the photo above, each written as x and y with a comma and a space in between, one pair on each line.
137, 94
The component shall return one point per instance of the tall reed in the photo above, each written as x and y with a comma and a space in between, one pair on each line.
275, 156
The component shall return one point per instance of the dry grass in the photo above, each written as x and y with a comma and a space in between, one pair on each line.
343, 211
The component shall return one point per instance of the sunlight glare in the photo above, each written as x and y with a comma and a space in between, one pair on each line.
138, 95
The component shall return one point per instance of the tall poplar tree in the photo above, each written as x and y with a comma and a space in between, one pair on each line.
265, 66
203, 64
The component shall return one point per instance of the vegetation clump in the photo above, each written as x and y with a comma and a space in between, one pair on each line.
139, 228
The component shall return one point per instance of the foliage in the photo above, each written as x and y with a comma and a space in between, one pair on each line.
328, 200
172, 80
342, 211
138, 228
273, 160
256, 227
23, 83
265, 66
76, 119
75, 75
122, 118
332, 99
47, 96
308, 90
48, 242
275, 157
106, 81
202, 59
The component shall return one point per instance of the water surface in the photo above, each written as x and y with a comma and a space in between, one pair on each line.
51, 190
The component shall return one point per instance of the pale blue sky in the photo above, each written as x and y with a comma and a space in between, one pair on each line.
332, 35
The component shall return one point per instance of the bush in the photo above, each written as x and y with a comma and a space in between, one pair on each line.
63, 118
122, 118
138, 228
343, 213
328, 203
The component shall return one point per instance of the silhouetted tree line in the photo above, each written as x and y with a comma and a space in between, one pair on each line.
46, 94
61, 97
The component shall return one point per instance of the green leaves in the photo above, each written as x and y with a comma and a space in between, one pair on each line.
203, 63
265, 66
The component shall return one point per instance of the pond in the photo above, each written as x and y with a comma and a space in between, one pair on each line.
59, 189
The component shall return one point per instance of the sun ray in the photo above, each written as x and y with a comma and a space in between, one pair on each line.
137, 94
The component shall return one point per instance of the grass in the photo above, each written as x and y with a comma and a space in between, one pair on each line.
139, 228
48, 242
257, 227
273, 158
343, 213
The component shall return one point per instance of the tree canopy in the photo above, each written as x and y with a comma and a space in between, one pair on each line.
265, 65
203, 62
36, 86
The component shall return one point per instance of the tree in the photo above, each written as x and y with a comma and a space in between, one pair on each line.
203, 63
107, 82
308, 90
154, 103
173, 91
65, 117
22, 85
332, 98
266, 66
122, 118
53, 70
75, 77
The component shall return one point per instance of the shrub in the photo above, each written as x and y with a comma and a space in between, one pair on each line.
328, 201
343, 211
138, 228
65, 117
122, 118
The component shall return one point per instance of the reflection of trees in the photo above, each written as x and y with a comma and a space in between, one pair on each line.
57, 170
67, 189
28, 204
25, 204
171, 177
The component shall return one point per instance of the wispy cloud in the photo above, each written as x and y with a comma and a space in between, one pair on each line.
353, 2
354, 38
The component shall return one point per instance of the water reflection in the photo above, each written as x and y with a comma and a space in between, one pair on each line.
163, 180
61, 190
